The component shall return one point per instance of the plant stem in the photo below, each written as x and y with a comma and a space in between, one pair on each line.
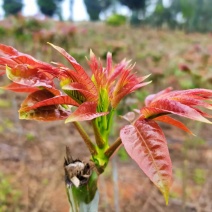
109, 152
86, 138
99, 140
110, 122
84, 198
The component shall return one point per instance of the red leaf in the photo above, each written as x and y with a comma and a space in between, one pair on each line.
174, 107
81, 88
47, 113
126, 84
19, 88
153, 97
145, 143
85, 112
2, 72
29, 60
7, 62
10, 56
31, 77
109, 68
118, 69
57, 100
24, 69
41, 105
8, 51
174, 122
117, 81
152, 112
181, 103
82, 75
99, 73
36, 97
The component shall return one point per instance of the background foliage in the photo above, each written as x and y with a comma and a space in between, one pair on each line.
189, 15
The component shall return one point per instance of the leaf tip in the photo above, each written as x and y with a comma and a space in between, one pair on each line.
164, 188
91, 52
51, 44
166, 197
68, 120
165, 192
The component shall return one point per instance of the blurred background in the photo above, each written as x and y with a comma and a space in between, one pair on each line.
171, 39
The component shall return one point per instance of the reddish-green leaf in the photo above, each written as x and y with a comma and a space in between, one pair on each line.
57, 100
145, 143
152, 112
117, 80
82, 89
82, 75
46, 113
43, 105
118, 69
23, 74
85, 112
126, 84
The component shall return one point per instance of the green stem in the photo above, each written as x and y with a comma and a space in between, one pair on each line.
109, 152
99, 140
110, 120
86, 138
84, 198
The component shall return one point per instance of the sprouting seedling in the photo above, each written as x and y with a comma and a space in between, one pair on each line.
94, 98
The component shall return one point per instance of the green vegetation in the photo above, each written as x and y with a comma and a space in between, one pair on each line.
95, 7
8, 195
50, 7
116, 20
12, 7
